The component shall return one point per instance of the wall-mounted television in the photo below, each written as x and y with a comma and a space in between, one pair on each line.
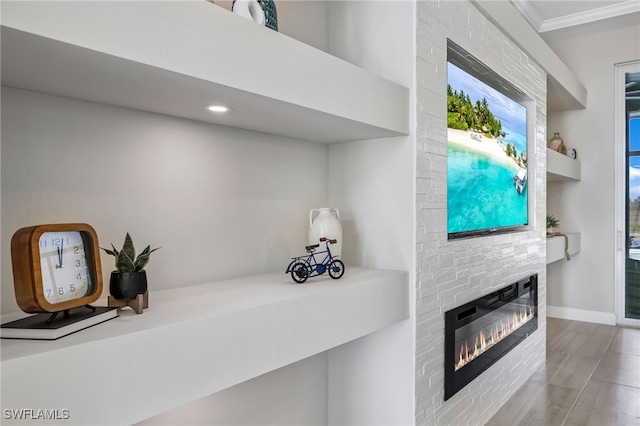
487, 174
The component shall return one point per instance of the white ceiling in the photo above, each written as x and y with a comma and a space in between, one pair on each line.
548, 15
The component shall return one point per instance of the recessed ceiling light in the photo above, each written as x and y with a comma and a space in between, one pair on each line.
217, 108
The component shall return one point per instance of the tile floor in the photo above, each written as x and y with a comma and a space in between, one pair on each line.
591, 377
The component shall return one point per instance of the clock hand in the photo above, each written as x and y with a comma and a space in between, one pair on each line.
59, 265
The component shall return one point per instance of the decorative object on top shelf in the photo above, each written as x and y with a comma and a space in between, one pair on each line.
326, 223
263, 12
573, 153
552, 225
128, 284
305, 266
556, 143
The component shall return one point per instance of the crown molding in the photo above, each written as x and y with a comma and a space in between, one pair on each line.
511, 21
630, 6
530, 13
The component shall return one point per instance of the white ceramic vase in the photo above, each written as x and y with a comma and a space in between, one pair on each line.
326, 224
249, 9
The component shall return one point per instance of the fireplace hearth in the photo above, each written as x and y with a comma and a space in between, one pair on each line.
479, 333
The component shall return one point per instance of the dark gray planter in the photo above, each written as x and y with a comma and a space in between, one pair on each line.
127, 285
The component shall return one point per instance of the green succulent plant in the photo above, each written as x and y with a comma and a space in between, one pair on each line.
552, 222
126, 260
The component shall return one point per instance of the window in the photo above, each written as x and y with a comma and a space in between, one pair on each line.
628, 192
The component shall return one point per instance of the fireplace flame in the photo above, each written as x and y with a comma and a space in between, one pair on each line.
486, 338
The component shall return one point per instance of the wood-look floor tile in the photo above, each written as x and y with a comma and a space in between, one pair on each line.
627, 341
536, 404
542, 374
604, 404
555, 326
569, 370
593, 328
599, 364
578, 343
619, 368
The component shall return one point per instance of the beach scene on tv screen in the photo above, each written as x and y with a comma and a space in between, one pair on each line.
487, 179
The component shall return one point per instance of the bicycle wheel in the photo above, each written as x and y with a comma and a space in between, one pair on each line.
336, 269
300, 272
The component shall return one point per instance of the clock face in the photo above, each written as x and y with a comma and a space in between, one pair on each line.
56, 267
64, 266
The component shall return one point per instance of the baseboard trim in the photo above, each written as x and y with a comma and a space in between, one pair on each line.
581, 315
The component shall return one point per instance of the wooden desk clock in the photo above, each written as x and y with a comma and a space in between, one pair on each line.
56, 267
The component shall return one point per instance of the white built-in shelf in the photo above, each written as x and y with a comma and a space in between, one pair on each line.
556, 247
190, 54
562, 167
194, 341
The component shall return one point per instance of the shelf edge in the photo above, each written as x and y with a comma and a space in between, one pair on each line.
194, 357
301, 92
555, 247
562, 168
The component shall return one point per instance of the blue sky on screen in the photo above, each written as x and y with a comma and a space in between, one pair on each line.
509, 112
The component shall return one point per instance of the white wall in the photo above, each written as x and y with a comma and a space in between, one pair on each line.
373, 182
294, 395
371, 379
221, 202
584, 287
304, 20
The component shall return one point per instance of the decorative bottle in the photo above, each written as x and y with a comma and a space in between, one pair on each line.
562, 149
555, 141
326, 224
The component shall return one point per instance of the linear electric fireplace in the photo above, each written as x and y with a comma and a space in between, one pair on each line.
481, 332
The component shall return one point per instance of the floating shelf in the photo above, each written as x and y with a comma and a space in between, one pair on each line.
191, 54
194, 341
556, 247
562, 168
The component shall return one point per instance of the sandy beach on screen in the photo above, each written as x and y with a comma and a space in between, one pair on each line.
479, 143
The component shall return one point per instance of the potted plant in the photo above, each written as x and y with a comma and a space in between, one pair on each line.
129, 279
552, 224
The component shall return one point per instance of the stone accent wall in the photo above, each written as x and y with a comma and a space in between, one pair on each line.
451, 273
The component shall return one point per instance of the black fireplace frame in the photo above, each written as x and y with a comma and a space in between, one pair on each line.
465, 314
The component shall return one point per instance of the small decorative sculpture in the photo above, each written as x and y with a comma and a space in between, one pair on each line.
305, 266
263, 12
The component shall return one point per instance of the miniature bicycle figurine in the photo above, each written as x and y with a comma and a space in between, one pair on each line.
303, 267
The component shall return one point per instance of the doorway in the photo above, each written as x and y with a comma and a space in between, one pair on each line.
627, 119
